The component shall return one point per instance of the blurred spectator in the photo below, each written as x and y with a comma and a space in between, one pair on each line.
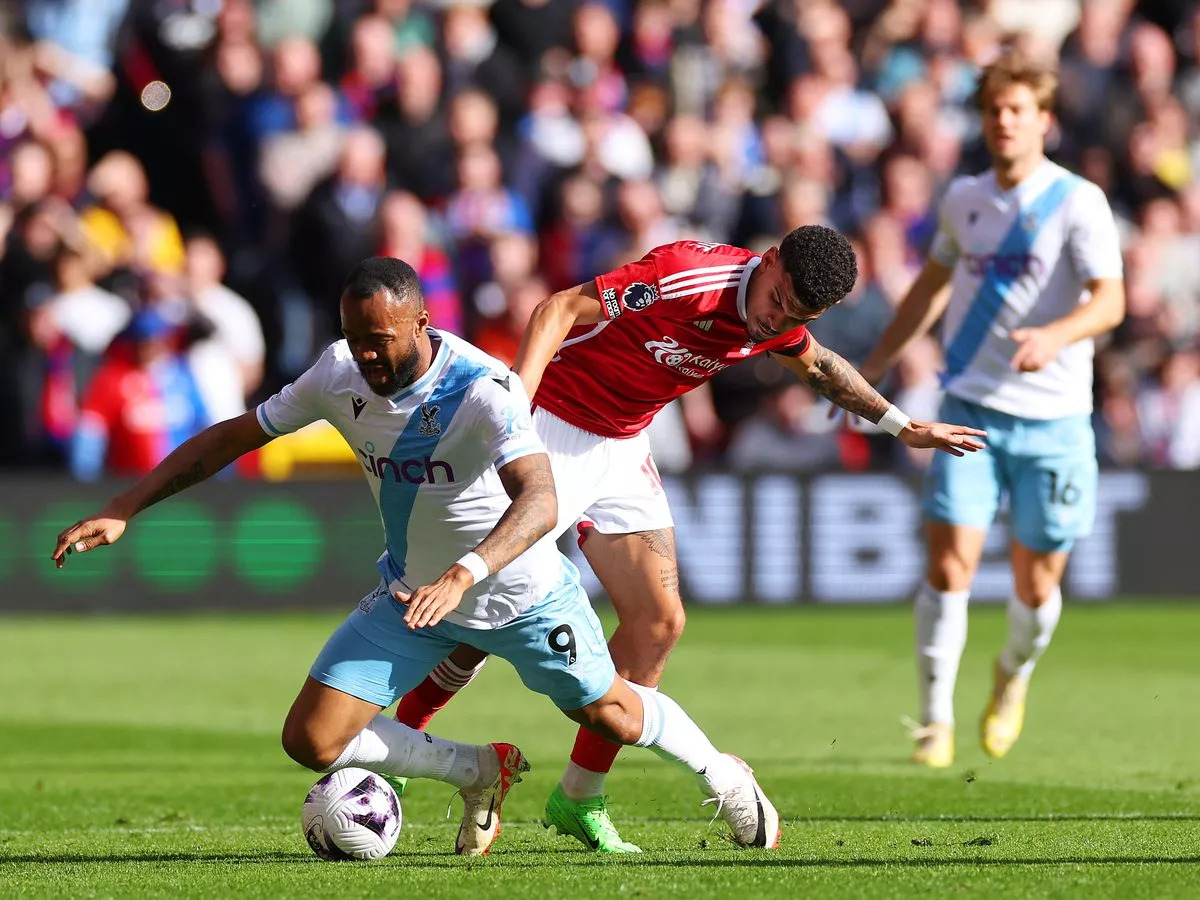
580, 242
337, 226
501, 336
292, 162
372, 73
692, 186
532, 27
479, 210
72, 329
412, 26
474, 57
407, 235
123, 225
141, 405
473, 118
789, 432
419, 148
1169, 413
278, 20
77, 40
1117, 418
295, 68
645, 222
514, 260
230, 320
594, 69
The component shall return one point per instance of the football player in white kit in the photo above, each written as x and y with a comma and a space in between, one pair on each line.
445, 437
1024, 272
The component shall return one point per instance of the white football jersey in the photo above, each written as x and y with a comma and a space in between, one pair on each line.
430, 454
1021, 258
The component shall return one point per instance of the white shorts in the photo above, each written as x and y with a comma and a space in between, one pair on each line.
611, 483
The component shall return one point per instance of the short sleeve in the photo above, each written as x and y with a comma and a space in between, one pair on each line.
794, 343
682, 280
1092, 238
631, 288
300, 403
503, 419
944, 248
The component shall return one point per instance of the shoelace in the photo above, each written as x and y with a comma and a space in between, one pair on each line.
917, 731
744, 816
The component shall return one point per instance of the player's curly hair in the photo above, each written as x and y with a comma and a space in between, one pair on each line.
821, 264
378, 273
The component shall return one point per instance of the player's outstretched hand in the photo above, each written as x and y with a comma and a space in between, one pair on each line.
956, 439
430, 602
86, 534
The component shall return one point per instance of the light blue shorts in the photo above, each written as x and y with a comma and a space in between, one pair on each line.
557, 647
1046, 466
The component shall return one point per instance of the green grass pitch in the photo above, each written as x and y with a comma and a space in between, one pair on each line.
139, 757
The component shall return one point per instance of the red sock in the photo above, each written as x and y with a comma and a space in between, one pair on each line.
417, 707
593, 752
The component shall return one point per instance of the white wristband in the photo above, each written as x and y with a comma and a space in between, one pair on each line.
474, 564
894, 421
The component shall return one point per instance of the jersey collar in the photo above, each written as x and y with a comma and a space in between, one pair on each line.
1032, 185
744, 283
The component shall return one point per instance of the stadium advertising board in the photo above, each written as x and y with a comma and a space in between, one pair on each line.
771, 539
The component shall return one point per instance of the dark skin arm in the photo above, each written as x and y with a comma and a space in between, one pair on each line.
531, 515
193, 461
835, 379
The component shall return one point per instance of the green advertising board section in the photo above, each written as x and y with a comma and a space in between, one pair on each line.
772, 539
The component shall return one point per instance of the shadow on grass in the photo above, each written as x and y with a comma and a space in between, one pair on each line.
520, 860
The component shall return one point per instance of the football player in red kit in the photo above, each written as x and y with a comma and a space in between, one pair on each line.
600, 360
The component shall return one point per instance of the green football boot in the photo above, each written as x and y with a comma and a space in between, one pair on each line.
398, 783
587, 821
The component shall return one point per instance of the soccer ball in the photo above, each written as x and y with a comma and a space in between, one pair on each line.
351, 814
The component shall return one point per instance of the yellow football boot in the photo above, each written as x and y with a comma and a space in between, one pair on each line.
1005, 713
935, 745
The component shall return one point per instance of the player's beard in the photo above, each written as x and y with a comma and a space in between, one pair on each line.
397, 378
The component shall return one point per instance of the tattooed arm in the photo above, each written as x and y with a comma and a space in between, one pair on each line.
531, 515
835, 379
193, 461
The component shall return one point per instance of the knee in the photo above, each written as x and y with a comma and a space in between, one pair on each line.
662, 633
613, 722
949, 572
309, 749
1035, 592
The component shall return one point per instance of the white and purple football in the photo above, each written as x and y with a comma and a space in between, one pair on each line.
351, 814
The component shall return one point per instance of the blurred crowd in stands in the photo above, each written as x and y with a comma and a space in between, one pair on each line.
185, 183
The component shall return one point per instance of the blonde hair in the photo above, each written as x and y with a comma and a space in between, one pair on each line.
1018, 68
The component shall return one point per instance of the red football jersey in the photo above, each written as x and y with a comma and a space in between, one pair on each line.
673, 320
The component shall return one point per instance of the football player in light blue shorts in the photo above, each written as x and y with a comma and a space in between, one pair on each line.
1025, 271
466, 495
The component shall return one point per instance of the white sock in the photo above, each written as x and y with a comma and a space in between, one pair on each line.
941, 632
450, 676
671, 733
390, 748
579, 783
1029, 633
